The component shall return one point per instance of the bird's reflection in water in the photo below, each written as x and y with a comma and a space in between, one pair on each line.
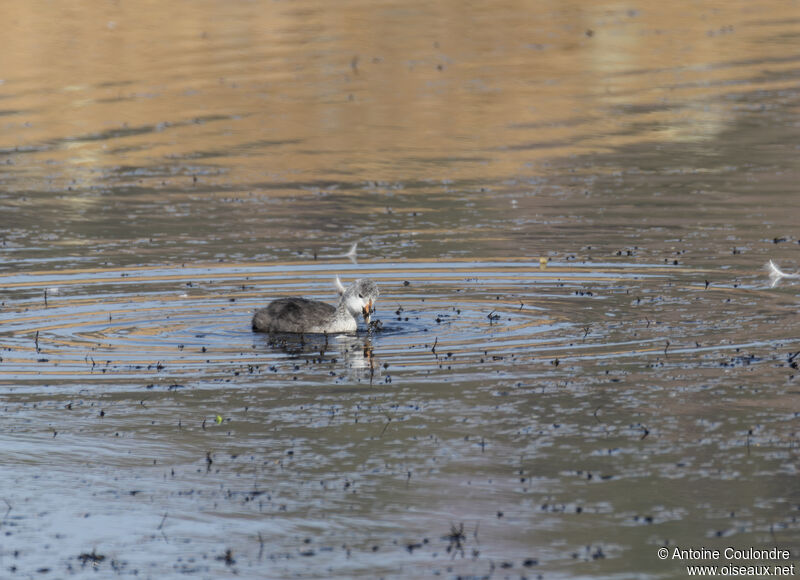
351, 354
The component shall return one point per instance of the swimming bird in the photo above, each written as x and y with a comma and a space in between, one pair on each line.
303, 316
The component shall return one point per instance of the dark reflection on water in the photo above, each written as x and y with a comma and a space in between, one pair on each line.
567, 206
351, 352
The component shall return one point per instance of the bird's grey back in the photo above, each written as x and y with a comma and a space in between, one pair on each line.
291, 315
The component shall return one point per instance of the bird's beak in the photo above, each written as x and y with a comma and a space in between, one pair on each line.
367, 311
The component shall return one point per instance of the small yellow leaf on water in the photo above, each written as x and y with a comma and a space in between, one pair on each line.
218, 419
542, 263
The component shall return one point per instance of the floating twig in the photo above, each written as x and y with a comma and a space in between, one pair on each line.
161, 527
388, 420
8, 511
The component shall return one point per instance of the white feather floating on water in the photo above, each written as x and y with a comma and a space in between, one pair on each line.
351, 253
776, 274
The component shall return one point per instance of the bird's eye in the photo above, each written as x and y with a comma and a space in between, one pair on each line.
360, 296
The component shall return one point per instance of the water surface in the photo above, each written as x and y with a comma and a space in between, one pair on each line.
567, 207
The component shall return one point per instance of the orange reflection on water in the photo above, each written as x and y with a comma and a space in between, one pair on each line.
398, 90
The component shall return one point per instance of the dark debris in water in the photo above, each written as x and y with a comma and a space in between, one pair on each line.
456, 540
497, 399
92, 558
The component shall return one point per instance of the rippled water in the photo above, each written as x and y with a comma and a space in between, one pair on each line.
106, 326
567, 207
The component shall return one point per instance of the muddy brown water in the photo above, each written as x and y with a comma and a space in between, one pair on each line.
567, 206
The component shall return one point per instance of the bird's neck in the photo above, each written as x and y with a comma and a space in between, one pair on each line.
341, 310
342, 320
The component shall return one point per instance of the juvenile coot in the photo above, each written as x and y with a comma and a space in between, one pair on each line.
303, 316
